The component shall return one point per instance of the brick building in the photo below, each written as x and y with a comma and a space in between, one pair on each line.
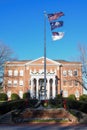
28, 76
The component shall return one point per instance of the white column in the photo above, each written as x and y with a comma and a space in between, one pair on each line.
53, 88
48, 90
31, 91
37, 89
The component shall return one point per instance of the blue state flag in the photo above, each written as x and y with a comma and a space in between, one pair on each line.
56, 24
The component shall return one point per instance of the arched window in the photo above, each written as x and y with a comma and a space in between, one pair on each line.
21, 94
77, 93
9, 94
65, 93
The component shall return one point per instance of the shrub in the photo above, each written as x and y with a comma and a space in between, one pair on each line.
44, 103
3, 97
26, 95
15, 96
83, 97
11, 105
72, 104
58, 97
54, 103
72, 97
33, 103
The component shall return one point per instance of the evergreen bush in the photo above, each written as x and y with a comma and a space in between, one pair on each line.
3, 97
71, 97
83, 98
26, 95
15, 96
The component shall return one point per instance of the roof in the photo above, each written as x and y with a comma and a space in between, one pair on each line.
30, 61
68, 62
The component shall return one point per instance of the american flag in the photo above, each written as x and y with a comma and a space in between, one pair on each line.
55, 16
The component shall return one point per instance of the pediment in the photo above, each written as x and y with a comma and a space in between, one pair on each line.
40, 61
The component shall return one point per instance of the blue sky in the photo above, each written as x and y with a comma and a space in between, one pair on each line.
22, 27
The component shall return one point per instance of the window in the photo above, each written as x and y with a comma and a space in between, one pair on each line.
29, 82
9, 94
77, 93
9, 83
70, 83
21, 73
64, 73
76, 83
21, 94
70, 72
9, 72
15, 82
64, 82
21, 82
75, 73
65, 93
15, 72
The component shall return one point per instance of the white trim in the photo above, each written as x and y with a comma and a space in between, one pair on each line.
16, 64
29, 63
72, 64
42, 65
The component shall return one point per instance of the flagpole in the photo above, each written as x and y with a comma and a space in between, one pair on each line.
44, 54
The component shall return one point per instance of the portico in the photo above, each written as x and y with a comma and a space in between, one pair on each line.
37, 80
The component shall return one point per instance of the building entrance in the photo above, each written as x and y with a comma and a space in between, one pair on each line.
37, 87
42, 91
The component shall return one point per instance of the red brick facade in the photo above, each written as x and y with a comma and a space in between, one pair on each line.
27, 76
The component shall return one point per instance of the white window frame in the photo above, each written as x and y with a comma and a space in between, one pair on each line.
9, 83
9, 72
9, 94
15, 82
21, 94
21, 83
15, 72
64, 73
77, 93
65, 93
21, 73
70, 72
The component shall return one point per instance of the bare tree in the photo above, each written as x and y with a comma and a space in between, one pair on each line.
6, 54
83, 59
